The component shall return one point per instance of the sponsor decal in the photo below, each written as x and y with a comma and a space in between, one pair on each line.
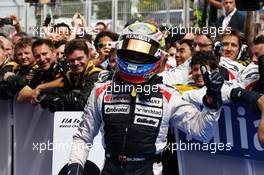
147, 121
123, 109
153, 101
139, 37
132, 67
149, 111
117, 98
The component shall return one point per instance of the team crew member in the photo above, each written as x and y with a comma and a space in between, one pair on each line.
18, 74
45, 57
77, 82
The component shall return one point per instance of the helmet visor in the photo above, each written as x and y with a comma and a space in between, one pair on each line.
138, 51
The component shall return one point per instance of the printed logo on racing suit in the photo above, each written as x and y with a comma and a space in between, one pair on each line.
110, 109
117, 98
148, 111
153, 101
148, 121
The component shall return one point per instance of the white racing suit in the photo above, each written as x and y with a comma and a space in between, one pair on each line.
134, 128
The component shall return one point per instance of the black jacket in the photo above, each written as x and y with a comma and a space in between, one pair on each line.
237, 22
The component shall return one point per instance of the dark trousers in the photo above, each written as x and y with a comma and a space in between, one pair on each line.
169, 158
112, 167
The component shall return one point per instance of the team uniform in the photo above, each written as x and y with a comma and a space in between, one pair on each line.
133, 109
14, 83
134, 129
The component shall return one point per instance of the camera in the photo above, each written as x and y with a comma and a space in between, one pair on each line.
111, 45
6, 21
218, 49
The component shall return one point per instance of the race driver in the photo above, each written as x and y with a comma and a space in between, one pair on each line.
133, 109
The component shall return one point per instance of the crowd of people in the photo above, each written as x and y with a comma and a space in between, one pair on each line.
61, 70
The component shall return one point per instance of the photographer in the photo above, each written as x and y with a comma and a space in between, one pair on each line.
103, 50
11, 20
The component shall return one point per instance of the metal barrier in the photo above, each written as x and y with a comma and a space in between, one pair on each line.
33, 131
233, 150
33, 142
5, 136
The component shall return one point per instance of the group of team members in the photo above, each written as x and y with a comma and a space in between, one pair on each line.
60, 74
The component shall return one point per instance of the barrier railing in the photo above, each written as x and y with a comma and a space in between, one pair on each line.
234, 149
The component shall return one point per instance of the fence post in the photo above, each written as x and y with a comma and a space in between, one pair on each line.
43, 13
88, 11
27, 17
114, 15
186, 14
167, 12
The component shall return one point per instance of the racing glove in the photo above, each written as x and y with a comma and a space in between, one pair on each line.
213, 82
71, 98
250, 97
53, 103
74, 99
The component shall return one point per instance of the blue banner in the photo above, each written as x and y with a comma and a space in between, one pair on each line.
236, 134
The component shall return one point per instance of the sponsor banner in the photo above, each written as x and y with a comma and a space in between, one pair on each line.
148, 111
147, 121
237, 127
111, 109
65, 125
153, 101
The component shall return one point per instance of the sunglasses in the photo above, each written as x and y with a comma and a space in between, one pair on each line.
100, 45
